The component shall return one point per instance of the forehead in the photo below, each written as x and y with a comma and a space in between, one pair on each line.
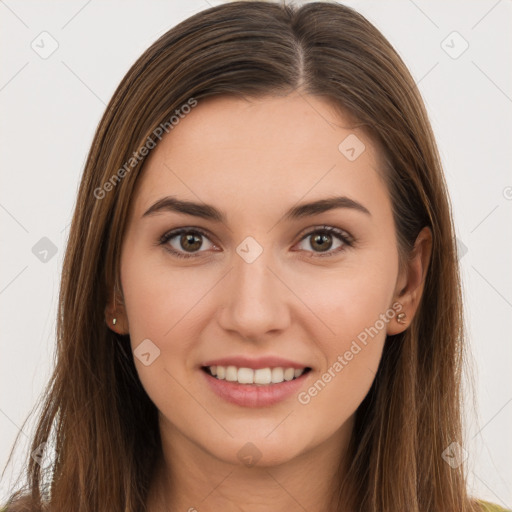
260, 155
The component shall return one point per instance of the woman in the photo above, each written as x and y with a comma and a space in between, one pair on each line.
260, 303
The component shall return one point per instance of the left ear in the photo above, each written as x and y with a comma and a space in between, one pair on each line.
411, 281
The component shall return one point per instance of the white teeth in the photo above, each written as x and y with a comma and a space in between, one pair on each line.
289, 374
260, 376
231, 373
245, 376
277, 375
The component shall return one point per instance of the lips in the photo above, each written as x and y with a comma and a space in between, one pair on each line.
255, 382
254, 395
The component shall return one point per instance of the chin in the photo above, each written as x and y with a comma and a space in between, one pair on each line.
266, 448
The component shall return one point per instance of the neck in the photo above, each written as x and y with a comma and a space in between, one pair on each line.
188, 478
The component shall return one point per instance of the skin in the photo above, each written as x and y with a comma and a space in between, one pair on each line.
254, 160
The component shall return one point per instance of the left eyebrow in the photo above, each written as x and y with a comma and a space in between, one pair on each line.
207, 211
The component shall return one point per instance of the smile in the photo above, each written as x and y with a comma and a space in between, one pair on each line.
260, 391
259, 376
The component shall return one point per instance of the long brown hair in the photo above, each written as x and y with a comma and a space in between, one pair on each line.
96, 415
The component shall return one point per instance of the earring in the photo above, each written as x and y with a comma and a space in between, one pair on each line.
400, 318
114, 321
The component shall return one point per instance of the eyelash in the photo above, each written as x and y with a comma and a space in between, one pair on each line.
343, 236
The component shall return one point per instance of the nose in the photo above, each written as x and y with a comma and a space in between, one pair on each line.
256, 299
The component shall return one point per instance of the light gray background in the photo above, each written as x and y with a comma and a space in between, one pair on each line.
51, 107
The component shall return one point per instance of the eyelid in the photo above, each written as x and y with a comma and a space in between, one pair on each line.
328, 228
187, 229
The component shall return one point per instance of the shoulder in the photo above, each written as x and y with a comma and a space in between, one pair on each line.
492, 507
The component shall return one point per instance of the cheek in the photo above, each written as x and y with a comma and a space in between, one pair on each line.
161, 305
349, 299
159, 299
351, 360
354, 306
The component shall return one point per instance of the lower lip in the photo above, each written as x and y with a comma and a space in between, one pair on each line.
251, 395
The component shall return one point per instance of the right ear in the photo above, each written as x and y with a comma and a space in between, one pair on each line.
115, 309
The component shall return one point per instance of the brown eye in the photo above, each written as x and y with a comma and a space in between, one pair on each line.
190, 242
183, 241
321, 240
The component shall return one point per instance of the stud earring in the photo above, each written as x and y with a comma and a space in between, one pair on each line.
114, 321
400, 318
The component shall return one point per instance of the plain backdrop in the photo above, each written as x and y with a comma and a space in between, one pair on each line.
60, 64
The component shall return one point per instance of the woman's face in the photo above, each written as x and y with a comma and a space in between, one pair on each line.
260, 283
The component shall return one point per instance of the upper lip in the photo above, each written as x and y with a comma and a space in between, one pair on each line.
255, 363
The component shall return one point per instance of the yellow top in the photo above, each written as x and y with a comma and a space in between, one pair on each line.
491, 507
